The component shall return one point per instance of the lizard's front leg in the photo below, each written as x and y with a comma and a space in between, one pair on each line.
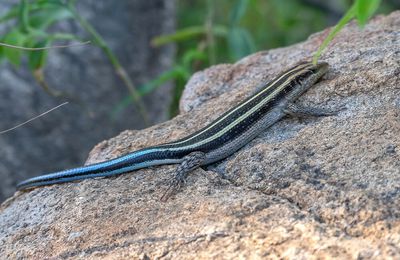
293, 109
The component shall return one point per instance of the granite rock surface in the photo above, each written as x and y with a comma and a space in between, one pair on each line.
307, 188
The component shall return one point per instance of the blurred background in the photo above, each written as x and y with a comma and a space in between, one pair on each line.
131, 75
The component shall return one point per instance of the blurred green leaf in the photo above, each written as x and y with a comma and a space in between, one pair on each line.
37, 59
145, 89
191, 55
23, 16
240, 43
179, 35
187, 34
1, 53
176, 73
362, 9
43, 18
36, 34
49, 3
150, 86
15, 37
365, 9
34, 6
13, 13
238, 11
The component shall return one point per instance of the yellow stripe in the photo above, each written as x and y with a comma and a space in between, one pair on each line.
239, 119
301, 66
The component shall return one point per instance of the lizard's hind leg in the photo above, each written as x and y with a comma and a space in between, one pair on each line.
190, 162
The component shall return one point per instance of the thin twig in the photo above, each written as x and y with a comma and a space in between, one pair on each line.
42, 114
43, 48
40, 79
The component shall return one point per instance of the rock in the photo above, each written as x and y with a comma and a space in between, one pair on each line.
306, 188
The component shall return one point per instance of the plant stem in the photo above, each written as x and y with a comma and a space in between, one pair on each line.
39, 77
188, 33
119, 69
345, 19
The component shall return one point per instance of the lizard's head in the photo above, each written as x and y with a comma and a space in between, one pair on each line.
320, 69
309, 71
303, 76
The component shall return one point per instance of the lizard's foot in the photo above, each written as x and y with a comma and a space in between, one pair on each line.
189, 163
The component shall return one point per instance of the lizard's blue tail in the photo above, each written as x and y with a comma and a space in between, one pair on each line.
127, 163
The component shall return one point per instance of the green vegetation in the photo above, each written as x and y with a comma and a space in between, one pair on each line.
361, 9
225, 30
208, 32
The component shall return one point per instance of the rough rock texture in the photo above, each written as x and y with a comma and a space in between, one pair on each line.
64, 137
305, 189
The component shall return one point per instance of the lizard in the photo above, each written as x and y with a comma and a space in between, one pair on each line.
217, 140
